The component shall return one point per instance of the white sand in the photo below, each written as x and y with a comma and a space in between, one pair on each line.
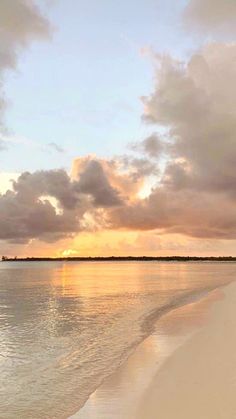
199, 380
185, 370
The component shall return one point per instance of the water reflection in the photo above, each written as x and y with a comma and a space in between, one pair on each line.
66, 326
121, 395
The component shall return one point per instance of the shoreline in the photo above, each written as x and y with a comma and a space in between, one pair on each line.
204, 371
131, 384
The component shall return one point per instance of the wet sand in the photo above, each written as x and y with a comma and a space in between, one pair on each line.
185, 369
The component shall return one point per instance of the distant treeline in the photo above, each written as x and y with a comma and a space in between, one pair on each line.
125, 259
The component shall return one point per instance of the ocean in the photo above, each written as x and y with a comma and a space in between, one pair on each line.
66, 327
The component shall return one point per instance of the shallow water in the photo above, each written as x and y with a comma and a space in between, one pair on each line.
65, 327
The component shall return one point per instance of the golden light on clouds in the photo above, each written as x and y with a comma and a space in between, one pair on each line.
170, 190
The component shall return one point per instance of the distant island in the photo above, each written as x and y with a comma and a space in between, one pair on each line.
124, 259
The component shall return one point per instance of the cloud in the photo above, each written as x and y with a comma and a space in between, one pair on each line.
24, 215
51, 205
56, 183
211, 16
21, 22
93, 181
195, 196
184, 212
152, 146
195, 101
137, 169
23, 219
29, 211
125, 174
56, 147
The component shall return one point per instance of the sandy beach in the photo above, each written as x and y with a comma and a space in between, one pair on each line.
199, 379
185, 369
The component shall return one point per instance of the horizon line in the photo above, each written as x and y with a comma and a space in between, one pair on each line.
118, 258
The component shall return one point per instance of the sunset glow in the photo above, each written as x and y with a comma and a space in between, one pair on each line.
141, 161
117, 209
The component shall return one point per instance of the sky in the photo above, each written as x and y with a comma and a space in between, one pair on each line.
117, 127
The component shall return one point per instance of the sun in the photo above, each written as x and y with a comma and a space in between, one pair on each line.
69, 252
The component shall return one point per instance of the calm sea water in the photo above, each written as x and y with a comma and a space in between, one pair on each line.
65, 327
